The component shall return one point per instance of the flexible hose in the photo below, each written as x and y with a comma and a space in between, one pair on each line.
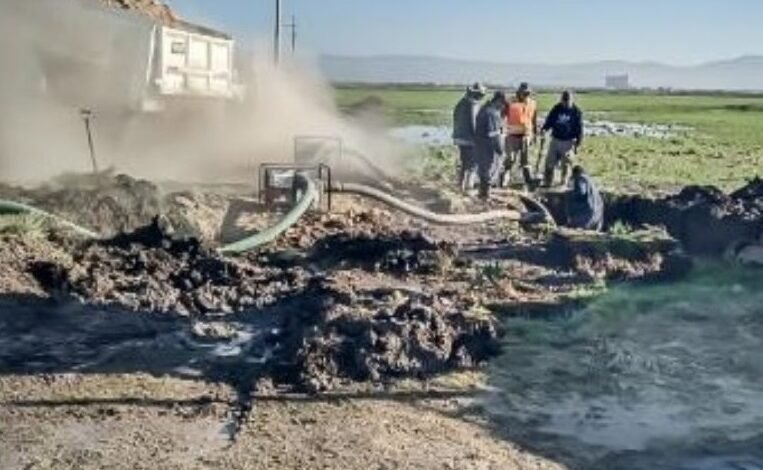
11, 207
416, 211
308, 197
384, 176
537, 205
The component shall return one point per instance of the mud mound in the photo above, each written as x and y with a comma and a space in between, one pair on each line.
110, 205
154, 9
648, 254
118, 204
17, 253
395, 252
704, 219
346, 334
150, 271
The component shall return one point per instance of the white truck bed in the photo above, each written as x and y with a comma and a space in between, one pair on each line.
98, 57
193, 64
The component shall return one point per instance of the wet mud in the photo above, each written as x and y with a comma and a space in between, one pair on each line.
357, 298
704, 219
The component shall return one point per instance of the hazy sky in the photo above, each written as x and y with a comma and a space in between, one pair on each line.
674, 31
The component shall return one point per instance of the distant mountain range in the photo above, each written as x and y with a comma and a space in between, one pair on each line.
743, 73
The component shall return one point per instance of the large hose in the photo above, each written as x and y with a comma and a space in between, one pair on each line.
11, 207
535, 204
308, 197
416, 211
379, 173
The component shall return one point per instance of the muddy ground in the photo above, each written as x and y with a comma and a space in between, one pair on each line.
357, 339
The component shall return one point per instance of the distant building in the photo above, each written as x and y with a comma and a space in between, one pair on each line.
618, 82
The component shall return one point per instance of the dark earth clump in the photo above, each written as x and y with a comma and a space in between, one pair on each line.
646, 254
150, 271
111, 204
395, 252
345, 334
704, 219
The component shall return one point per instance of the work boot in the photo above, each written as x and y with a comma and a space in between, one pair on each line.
548, 177
527, 174
506, 179
565, 175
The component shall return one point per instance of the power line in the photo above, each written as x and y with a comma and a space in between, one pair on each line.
293, 28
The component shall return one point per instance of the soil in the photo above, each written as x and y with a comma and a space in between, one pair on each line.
154, 9
331, 348
703, 218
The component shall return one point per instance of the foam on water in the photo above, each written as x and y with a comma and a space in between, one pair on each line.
641, 368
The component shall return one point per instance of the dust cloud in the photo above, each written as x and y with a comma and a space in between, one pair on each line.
63, 56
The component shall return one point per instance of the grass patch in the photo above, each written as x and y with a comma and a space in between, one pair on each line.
724, 149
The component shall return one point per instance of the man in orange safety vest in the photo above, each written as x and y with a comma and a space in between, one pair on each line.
521, 118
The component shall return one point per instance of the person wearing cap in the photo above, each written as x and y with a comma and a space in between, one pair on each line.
521, 114
565, 121
464, 127
490, 142
585, 206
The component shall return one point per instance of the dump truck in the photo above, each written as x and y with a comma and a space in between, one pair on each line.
107, 59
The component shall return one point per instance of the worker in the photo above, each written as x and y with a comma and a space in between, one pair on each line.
565, 121
490, 142
464, 125
585, 206
521, 114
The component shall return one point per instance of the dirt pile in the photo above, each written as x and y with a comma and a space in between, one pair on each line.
405, 252
345, 333
646, 254
150, 271
112, 204
154, 9
704, 219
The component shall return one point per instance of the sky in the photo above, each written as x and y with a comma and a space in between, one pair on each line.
680, 32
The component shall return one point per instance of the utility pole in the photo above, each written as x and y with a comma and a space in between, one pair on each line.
293, 28
87, 116
277, 38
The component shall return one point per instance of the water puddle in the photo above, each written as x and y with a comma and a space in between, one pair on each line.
435, 136
663, 376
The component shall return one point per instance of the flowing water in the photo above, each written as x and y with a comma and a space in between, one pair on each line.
652, 377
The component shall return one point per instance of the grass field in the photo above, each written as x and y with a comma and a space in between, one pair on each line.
724, 149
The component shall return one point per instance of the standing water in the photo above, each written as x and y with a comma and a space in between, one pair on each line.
646, 377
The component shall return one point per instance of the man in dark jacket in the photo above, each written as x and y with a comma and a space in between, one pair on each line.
464, 127
585, 206
565, 121
490, 141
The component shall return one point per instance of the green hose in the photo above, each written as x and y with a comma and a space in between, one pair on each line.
11, 207
309, 196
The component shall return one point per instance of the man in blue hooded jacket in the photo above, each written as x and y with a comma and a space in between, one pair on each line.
585, 206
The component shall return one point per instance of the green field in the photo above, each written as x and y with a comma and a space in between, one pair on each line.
725, 147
